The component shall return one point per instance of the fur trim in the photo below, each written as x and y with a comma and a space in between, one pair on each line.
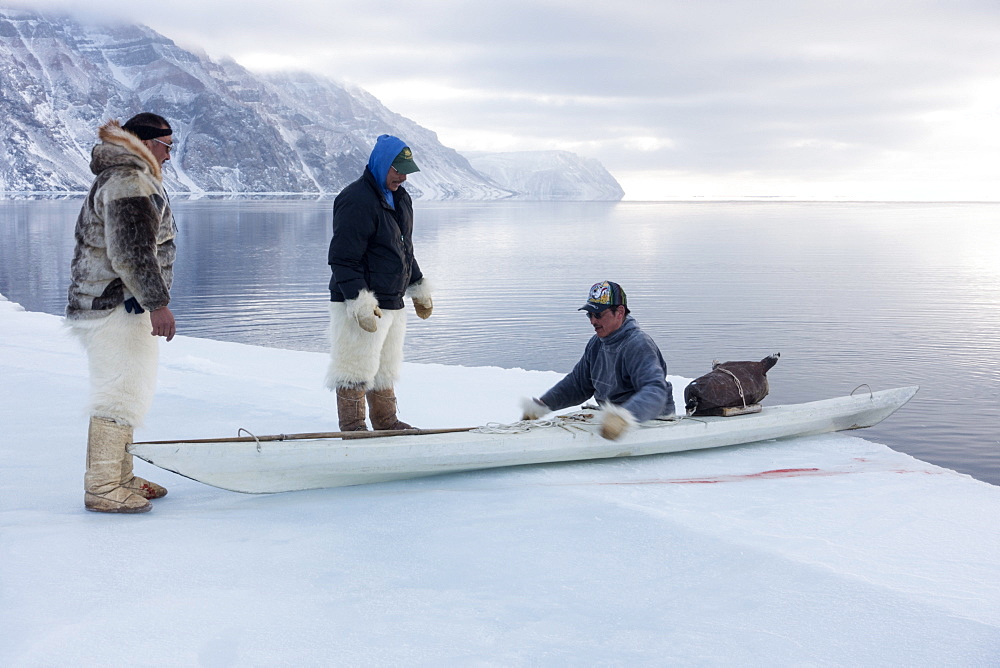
123, 357
113, 133
360, 359
420, 290
365, 303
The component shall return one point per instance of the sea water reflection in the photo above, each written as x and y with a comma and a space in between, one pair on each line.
849, 293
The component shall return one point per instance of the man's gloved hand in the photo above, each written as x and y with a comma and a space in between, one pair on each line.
132, 306
423, 306
532, 409
365, 310
616, 422
369, 319
420, 293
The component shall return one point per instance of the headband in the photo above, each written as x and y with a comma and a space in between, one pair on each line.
145, 132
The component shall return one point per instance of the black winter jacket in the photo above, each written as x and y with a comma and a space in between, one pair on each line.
372, 244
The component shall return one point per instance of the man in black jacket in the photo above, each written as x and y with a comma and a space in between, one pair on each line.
371, 257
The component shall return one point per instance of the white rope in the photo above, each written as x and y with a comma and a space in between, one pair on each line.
513, 427
568, 422
522, 426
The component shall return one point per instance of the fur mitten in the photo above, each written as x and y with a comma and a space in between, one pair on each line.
616, 421
420, 293
423, 307
365, 310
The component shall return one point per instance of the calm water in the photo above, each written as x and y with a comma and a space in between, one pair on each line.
883, 294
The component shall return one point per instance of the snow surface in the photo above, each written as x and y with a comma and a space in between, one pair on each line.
864, 556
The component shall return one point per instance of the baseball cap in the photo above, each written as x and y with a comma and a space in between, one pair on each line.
403, 163
604, 295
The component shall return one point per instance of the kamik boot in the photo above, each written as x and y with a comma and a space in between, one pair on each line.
351, 409
141, 486
382, 404
103, 490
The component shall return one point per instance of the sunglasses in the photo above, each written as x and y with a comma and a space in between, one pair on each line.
169, 146
600, 314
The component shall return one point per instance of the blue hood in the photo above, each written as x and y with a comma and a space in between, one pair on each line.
386, 149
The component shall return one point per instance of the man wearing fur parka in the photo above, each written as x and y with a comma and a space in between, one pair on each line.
119, 290
373, 265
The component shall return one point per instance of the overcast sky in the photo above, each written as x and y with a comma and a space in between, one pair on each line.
677, 98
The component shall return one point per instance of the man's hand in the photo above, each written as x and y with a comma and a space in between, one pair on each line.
532, 409
420, 293
368, 320
163, 323
423, 306
615, 422
365, 310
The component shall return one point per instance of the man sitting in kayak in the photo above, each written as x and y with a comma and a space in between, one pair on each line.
622, 368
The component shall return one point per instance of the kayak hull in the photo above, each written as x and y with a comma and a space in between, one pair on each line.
282, 466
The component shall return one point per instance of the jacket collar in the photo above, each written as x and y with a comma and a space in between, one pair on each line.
622, 332
382, 192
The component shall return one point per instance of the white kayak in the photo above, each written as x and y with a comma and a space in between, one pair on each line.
269, 464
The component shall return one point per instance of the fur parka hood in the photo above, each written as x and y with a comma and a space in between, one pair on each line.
125, 231
121, 148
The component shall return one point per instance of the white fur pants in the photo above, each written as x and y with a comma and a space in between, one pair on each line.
365, 359
123, 356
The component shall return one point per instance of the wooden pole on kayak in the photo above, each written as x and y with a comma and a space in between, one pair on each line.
325, 434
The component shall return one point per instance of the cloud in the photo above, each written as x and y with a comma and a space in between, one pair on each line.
775, 89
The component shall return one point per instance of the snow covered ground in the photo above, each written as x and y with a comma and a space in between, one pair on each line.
704, 558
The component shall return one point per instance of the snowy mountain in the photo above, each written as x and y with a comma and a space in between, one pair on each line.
235, 131
549, 175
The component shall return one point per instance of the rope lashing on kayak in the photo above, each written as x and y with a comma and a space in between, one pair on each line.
521, 426
518, 427
571, 422
739, 386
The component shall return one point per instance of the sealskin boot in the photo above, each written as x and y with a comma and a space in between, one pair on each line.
382, 404
141, 486
103, 491
351, 409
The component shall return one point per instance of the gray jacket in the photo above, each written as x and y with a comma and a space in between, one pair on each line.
625, 369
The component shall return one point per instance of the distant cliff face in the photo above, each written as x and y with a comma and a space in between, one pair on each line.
549, 175
235, 131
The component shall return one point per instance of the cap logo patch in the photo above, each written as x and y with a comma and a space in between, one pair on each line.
600, 293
